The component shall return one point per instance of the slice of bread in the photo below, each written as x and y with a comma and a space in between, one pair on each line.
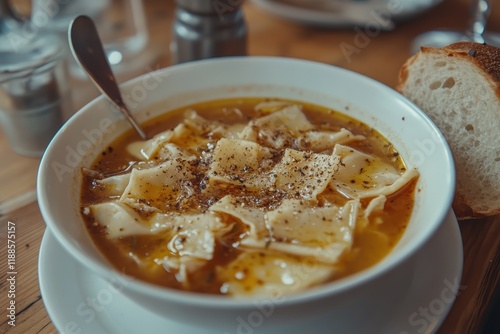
458, 86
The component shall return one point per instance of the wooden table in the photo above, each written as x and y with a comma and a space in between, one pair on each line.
380, 58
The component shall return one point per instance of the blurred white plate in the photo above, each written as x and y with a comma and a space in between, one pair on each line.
345, 13
78, 301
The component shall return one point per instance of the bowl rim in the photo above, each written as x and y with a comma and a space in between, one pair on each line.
215, 301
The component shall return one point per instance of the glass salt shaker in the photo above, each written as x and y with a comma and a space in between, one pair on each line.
206, 29
34, 93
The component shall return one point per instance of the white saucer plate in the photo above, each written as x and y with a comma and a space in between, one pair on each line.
78, 301
346, 13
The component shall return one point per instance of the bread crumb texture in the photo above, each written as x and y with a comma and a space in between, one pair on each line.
458, 86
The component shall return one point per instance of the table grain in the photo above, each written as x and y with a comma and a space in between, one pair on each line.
379, 57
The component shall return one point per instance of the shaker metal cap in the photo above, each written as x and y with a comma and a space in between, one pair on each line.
207, 6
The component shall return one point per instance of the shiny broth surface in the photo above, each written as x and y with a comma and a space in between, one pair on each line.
248, 197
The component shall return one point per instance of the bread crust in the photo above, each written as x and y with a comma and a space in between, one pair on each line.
486, 58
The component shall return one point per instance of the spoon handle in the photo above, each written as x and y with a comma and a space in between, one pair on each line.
86, 47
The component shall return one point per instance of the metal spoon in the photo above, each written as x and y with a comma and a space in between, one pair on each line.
87, 49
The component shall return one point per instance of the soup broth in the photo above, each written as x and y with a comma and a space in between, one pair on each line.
248, 197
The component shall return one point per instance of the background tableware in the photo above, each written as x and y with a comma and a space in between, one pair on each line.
34, 94
475, 31
121, 25
383, 14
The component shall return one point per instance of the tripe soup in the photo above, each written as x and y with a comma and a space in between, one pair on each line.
248, 197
